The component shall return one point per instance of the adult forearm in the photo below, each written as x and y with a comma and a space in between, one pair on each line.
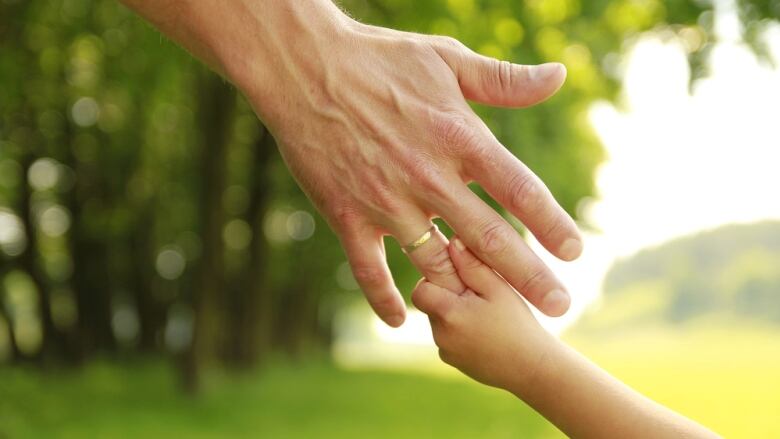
584, 401
247, 41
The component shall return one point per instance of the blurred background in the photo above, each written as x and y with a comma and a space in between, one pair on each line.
161, 273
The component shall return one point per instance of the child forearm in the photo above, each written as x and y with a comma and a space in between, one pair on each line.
584, 401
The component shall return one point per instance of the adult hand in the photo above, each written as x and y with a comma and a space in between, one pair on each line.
375, 126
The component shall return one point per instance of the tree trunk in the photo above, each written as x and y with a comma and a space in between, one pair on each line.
91, 280
214, 114
299, 328
151, 313
93, 300
253, 302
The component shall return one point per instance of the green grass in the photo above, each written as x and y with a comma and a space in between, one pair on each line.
722, 374
109, 401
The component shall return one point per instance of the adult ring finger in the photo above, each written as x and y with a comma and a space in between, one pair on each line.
419, 242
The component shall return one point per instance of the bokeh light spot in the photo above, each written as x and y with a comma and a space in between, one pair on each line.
85, 112
178, 328
237, 234
125, 324
300, 225
275, 226
462, 9
43, 174
509, 31
54, 221
170, 262
13, 240
21, 298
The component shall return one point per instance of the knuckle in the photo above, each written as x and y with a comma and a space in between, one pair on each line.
450, 44
453, 132
555, 228
428, 178
471, 263
524, 193
383, 303
416, 49
346, 218
439, 264
369, 276
535, 277
448, 48
383, 198
405, 44
495, 237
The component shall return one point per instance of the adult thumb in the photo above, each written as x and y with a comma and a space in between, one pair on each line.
501, 83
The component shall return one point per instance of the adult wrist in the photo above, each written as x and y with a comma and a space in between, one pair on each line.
280, 36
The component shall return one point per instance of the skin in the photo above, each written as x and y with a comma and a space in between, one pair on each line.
374, 125
489, 333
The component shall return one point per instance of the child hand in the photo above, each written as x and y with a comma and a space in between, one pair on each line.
487, 331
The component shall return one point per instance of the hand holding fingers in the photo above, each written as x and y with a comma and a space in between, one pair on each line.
429, 254
487, 332
357, 138
475, 274
433, 300
426, 248
496, 243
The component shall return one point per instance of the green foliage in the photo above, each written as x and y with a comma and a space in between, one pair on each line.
759, 9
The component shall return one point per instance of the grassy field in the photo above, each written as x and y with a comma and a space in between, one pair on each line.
728, 379
285, 401
721, 374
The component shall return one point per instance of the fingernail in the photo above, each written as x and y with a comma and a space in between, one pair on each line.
458, 244
571, 249
556, 303
545, 71
395, 320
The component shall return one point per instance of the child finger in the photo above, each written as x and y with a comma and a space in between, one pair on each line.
432, 299
473, 272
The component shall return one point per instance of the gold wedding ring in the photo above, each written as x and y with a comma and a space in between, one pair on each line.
417, 243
